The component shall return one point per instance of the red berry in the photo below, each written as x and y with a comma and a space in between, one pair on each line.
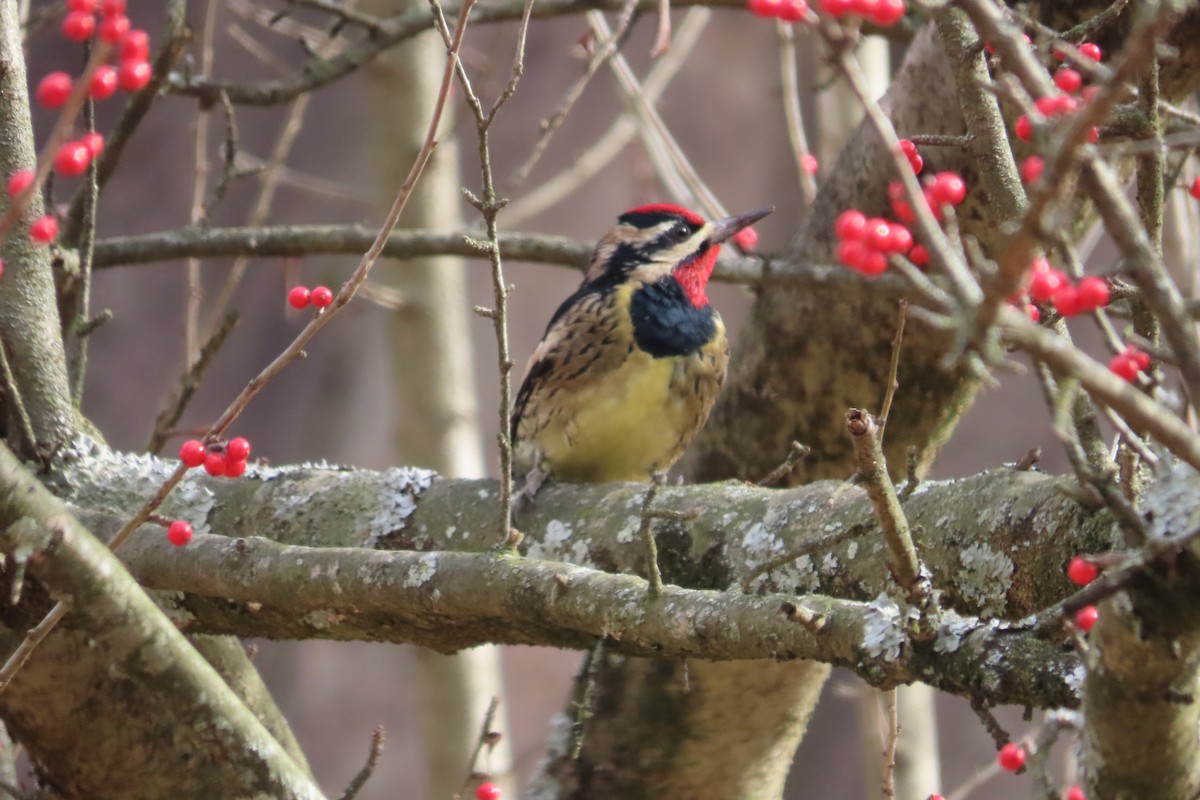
94, 142
235, 469
1047, 105
809, 164
875, 263
134, 75
907, 148
322, 296
1140, 358
179, 533
78, 26
1032, 168
299, 297
1024, 129
793, 10
487, 791
1093, 134
22, 179
1124, 367
1045, 281
1011, 757
936, 797
1093, 293
1068, 80
192, 452
114, 28
919, 255
1066, 300
1065, 104
1032, 312
1089, 93
1081, 571
888, 12
948, 189
104, 82
238, 449
1090, 50
214, 464
877, 233
1074, 793
899, 239
863, 8
135, 46
835, 8
852, 253
1086, 617
746, 239
764, 8
917, 163
86, 6
53, 90
1195, 190
109, 8
72, 159
850, 225
44, 229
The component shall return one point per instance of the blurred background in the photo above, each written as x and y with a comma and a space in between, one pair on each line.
349, 401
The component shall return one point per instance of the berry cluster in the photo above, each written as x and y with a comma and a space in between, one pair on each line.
320, 297
864, 243
1072, 93
1127, 364
218, 459
1052, 286
132, 73
883, 13
786, 10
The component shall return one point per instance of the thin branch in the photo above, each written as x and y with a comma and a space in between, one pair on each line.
891, 738
893, 382
485, 739
360, 780
872, 469
793, 118
646, 534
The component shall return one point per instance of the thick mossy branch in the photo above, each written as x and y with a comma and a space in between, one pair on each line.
995, 544
256, 587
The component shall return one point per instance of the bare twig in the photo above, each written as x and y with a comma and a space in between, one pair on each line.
550, 126
893, 382
891, 736
646, 534
191, 316
796, 451
489, 206
487, 738
177, 402
791, 110
360, 780
872, 470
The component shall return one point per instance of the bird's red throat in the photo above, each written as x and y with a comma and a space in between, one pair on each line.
693, 274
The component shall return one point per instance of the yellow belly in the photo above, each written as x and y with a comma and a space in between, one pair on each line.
635, 423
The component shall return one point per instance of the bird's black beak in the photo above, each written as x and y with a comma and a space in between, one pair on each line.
722, 229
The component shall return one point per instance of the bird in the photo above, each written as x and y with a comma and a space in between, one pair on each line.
631, 363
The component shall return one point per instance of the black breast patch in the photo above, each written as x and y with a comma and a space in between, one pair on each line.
666, 324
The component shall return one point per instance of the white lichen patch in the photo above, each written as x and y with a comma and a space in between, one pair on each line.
829, 564
883, 634
951, 633
852, 550
559, 544
629, 529
397, 500
985, 578
422, 571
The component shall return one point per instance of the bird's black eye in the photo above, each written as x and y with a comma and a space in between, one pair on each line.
679, 232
